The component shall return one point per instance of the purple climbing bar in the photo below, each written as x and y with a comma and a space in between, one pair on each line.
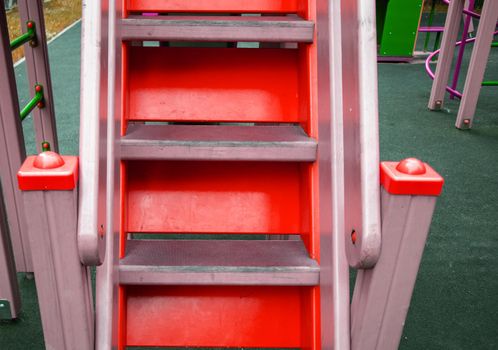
382, 294
37, 64
49, 185
10, 300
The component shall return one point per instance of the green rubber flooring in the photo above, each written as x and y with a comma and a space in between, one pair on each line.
455, 302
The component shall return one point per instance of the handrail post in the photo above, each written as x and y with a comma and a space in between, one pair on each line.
382, 294
49, 185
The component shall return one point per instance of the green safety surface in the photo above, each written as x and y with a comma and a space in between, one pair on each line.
455, 302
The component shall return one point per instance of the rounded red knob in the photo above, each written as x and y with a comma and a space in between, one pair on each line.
48, 160
411, 166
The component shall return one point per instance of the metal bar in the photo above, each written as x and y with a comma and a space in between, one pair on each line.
334, 275
37, 63
107, 274
205, 262
36, 101
461, 50
218, 142
29, 36
10, 299
260, 29
361, 133
490, 83
430, 30
450, 34
12, 151
477, 65
93, 130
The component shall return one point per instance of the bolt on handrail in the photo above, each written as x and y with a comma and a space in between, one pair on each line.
29, 36
36, 101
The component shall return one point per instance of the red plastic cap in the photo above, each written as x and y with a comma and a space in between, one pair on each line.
48, 160
410, 177
48, 171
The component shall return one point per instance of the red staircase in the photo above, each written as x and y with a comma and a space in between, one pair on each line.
218, 152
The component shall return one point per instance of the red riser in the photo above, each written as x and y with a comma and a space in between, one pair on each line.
217, 316
215, 85
227, 6
216, 197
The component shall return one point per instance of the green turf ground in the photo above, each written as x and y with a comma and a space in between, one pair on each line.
455, 302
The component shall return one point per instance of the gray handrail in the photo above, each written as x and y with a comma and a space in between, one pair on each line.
91, 214
361, 135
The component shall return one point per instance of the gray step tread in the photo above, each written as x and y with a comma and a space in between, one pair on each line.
221, 262
218, 28
218, 142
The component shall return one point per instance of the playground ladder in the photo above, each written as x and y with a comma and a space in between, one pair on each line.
218, 140
224, 189
12, 149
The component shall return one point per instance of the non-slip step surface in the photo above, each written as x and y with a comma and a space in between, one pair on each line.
218, 262
217, 28
217, 142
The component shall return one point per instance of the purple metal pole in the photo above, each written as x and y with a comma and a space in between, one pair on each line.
477, 65
431, 74
12, 151
467, 12
458, 65
447, 50
10, 299
63, 285
38, 68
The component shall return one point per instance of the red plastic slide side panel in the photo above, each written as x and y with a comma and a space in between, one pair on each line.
212, 316
218, 6
410, 177
216, 197
214, 85
48, 171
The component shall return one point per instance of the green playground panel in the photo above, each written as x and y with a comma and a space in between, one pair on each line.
397, 26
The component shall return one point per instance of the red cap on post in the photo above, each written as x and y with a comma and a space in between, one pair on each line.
410, 177
48, 171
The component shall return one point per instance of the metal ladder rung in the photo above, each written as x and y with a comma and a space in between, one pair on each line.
217, 28
218, 262
218, 142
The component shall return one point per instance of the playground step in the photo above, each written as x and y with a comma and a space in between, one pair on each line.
218, 262
218, 28
218, 142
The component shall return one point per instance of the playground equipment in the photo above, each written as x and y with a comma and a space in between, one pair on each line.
242, 142
12, 151
397, 28
477, 65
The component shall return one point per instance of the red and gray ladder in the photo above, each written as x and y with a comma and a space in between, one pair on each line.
228, 177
